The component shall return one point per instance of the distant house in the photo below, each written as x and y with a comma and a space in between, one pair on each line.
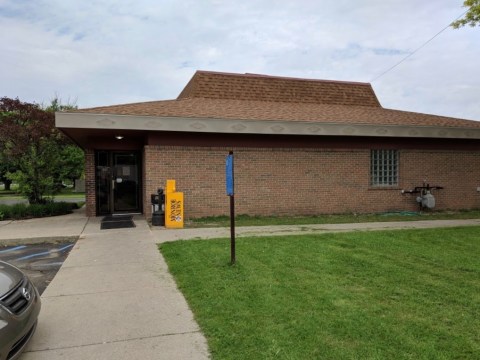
301, 147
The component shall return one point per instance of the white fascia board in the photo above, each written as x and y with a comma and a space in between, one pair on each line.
270, 127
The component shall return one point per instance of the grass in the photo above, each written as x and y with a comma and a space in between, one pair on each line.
246, 220
13, 187
382, 295
69, 195
65, 194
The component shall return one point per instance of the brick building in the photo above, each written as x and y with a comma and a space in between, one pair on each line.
301, 147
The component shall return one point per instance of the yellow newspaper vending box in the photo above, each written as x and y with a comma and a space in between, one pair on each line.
173, 206
170, 187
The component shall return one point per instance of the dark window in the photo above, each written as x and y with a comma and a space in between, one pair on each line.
384, 168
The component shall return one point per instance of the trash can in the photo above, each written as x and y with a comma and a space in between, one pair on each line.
158, 208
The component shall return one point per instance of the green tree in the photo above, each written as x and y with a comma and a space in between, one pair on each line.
72, 161
37, 171
56, 105
71, 157
28, 136
42, 157
6, 166
472, 16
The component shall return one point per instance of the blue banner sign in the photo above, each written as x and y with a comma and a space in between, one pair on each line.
229, 174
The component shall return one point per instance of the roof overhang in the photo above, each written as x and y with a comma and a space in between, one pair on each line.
83, 123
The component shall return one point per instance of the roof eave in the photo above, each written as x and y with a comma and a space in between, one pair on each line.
241, 126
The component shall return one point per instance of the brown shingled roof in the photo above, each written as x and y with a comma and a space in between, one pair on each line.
265, 110
284, 99
214, 85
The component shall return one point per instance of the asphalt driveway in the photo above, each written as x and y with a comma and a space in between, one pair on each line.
39, 261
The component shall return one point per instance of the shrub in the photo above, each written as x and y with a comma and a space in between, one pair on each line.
37, 210
59, 208
4, 212
23, 211
18, 211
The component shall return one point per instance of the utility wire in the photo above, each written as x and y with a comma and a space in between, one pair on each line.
414, 51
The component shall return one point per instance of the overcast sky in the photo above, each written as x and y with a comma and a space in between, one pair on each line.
108, 52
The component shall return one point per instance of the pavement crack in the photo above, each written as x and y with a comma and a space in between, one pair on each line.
108, 291
136, 262
114, 341
84, 226
6, 222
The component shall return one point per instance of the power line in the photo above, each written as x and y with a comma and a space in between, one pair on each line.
414, 51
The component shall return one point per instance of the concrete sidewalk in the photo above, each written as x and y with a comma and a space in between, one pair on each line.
49, 229
113, 298
164, 235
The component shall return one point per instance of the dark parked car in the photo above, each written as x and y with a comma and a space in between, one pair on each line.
19, 308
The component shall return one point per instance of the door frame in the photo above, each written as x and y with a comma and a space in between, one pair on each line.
104, 188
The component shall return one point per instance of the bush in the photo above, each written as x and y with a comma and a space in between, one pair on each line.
59, 208
18, 211
4, 212
23, 211
38, 210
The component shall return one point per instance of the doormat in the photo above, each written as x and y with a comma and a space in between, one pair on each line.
117, 222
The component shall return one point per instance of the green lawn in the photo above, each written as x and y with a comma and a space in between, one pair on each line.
381, 295
65, 194
246, 220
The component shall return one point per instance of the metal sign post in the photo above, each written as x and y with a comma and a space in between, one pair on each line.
231, 194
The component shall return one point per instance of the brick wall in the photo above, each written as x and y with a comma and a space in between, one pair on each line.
90, 182
306, 181
457, 171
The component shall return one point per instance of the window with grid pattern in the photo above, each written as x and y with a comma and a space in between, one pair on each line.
384, 168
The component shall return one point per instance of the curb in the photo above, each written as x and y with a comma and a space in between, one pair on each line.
38, 240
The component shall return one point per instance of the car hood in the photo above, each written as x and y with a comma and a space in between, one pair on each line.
9, 277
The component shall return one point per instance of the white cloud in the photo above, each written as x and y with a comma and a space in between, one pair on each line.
123, 51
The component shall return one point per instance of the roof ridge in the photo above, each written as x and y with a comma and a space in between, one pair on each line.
221, 85
281, 77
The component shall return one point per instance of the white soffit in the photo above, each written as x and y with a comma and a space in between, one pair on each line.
271, 127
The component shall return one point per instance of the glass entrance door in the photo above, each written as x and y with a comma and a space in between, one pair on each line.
125, 182
117, 182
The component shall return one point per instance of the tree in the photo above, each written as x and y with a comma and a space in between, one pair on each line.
72, 161
56, 105
6, 166
71, 157
28, 139
472, 17
37, 171
42, 157
23, 124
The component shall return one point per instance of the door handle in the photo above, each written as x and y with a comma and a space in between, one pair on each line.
113, 184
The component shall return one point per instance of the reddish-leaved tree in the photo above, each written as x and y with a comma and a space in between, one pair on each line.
29, 140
